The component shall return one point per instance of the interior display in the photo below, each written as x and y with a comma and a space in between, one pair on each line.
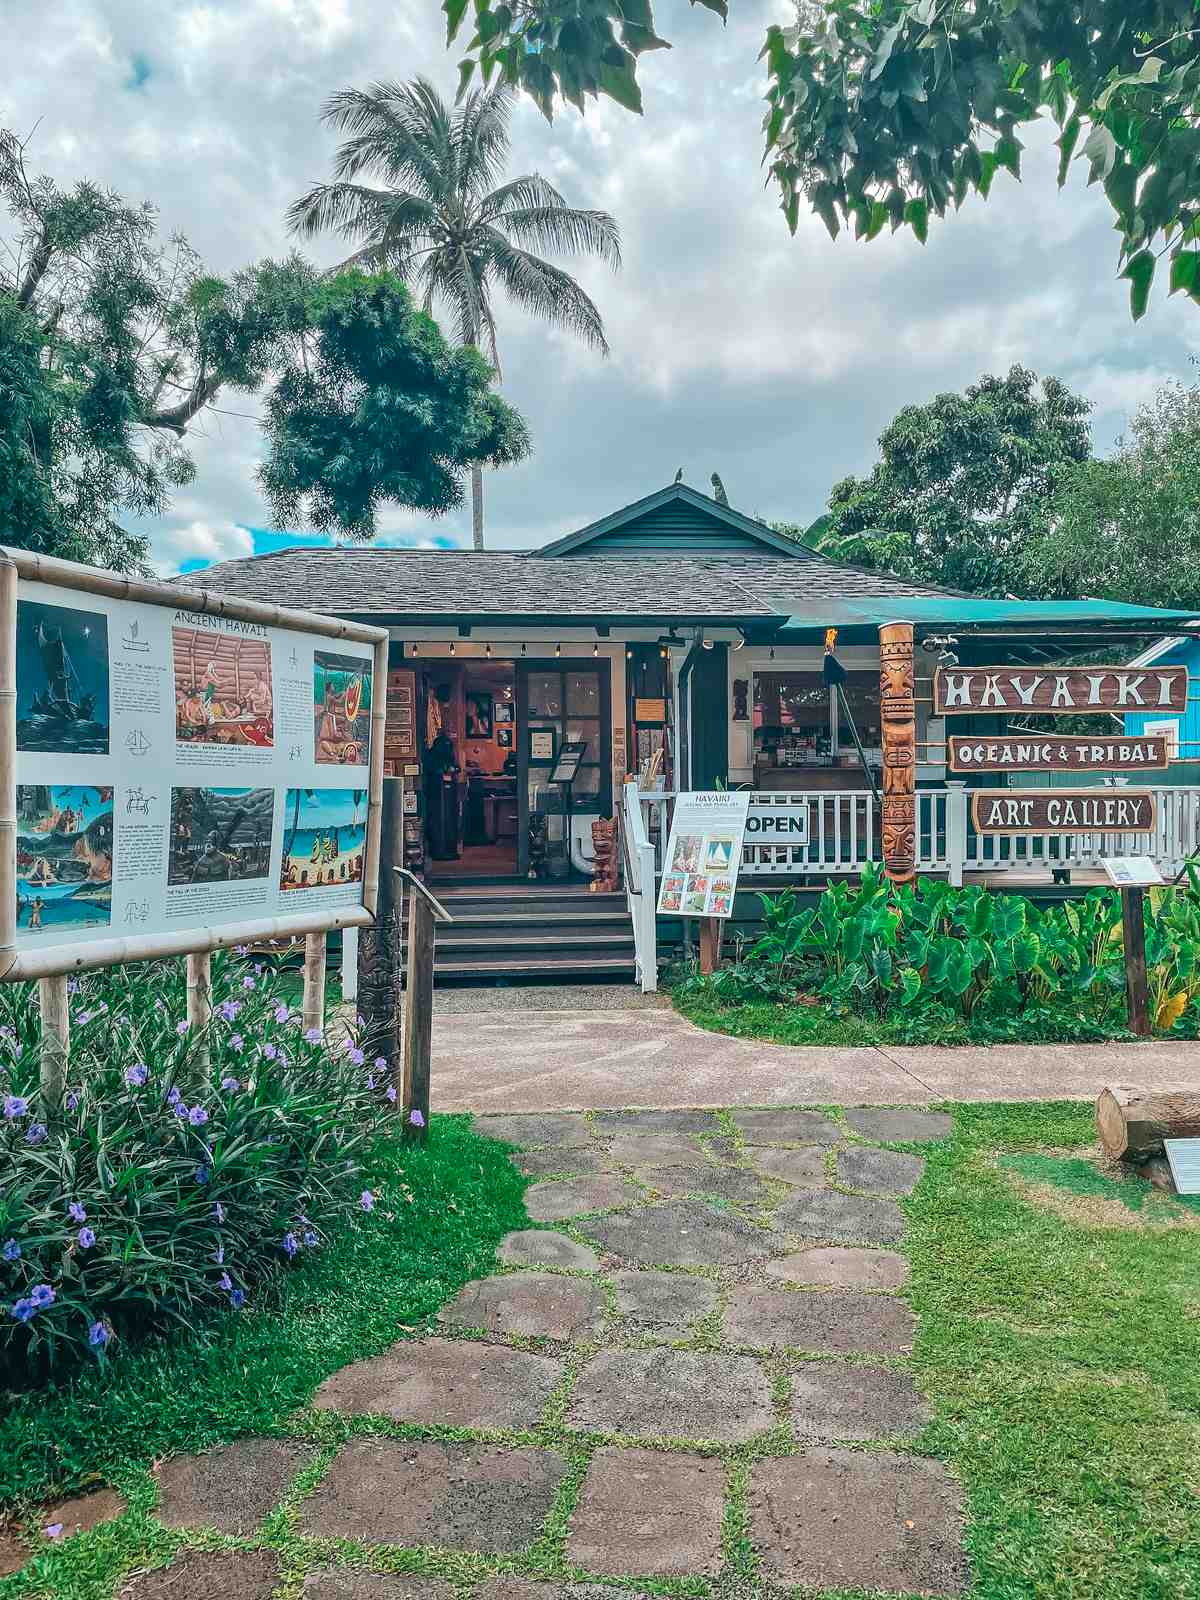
541, 744
479, 715
341, 709
504, 711
400, 721
566, 767
223, 685
504, 738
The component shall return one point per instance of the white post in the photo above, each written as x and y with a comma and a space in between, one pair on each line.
647, 909
956, 831
349, 965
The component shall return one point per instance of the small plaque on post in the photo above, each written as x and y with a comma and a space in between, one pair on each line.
1131, 872
1184, 1156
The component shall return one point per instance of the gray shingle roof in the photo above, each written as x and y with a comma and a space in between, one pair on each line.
449, 583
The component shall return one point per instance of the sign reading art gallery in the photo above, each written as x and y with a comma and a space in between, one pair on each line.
1026, 752
1063, 811
963, 691
183, 762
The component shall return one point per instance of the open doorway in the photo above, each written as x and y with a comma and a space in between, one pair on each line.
470, 762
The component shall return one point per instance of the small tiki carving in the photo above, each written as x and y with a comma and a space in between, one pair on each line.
604, 853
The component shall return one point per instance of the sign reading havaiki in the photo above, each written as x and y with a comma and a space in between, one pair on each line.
960, 691
1063, 811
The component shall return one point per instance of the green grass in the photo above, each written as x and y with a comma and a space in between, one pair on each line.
1063, 1363
440, 1211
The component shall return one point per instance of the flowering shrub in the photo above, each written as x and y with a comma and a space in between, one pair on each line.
179, 1171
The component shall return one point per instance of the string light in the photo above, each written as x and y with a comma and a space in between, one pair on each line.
452, 647
558, 649
415, 650
487, 649
522, 649
772, 652
628, 654
596, 648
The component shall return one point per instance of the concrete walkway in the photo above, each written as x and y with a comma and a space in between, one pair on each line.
541, 1060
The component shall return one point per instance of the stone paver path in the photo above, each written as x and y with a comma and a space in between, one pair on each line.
693, 1366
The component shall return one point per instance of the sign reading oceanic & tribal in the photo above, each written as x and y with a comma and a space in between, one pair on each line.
960, 691
1035, 752
1063, 811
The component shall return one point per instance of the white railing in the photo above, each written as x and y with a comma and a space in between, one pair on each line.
641, 888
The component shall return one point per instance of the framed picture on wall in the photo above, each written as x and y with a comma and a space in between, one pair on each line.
504, 711
542, 744
504, 738
479, 715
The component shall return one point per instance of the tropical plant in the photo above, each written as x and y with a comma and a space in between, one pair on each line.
179, 1171
883, 112
442, 220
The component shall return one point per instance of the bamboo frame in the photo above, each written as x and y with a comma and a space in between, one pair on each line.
55, 960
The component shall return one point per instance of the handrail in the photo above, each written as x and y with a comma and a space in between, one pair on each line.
414, 883
641, 890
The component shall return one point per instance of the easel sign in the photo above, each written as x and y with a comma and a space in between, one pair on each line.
179, 771
703, 859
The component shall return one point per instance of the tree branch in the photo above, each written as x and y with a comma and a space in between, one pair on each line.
176, 418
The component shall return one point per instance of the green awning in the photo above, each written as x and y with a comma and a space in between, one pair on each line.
874, 610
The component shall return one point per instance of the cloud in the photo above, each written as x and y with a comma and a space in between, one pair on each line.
775, 361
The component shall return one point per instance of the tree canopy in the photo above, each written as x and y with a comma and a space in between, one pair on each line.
881, 113
963, 486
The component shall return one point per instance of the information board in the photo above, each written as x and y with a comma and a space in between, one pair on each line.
704, 853
180, 769
1130, 872
1184, 1158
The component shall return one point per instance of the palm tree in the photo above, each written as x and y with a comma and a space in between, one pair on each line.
442, 219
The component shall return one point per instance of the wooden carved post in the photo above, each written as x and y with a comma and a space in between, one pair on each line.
379, 945
418, 1017
898, 718
1133, 927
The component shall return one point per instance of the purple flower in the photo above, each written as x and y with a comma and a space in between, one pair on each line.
71, 1101
236, 1042
182, 1027
241, 949
281, 1012
248, 982
218, 1211
357, 1056
290, 1243
258, 966
180, 1110
197, 1116
219, 1255
37, 1133
270, 1052
229, 1009
391, 1093
53, 1530
83, 1016
76, 1212
135, 1077
237, 1299
380, 1063
367, 1200
417, 1120
42, 1295
311, 1239
73, 985
174, 1096
225, 1282
11, 1251
15, 1106
24, 1310
97, 1335
201, 1174
313, 1035
230, 1085
371, 1083
87, 1238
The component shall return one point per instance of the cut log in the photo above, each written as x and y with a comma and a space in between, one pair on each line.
1132, 1123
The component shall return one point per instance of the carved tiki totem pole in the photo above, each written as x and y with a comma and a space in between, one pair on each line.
898, 717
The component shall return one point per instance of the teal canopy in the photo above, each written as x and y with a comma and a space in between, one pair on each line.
874, 610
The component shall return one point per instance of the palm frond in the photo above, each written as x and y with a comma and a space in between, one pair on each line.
351, 209
480, 140
562, 230
546, 291
400, 131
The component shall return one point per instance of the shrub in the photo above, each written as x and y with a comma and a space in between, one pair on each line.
179, 1172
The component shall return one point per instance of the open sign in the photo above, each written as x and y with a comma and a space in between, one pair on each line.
778, 825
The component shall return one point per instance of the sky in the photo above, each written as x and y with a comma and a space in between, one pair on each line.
775, 361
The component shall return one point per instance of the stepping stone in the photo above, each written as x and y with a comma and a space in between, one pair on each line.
672, 1394
483, 1498
456, 1383
550, 1127
83, 1512
537, 1304
737, 1185
557, 1162
786, 1127
574, 1197
539, 1247
664, 1302
873, 1324
232, 1489
804, 1167
898, 1126
848, 1519
833, 1401
13, 1553
507, 1588
209, 1575
350, 1583
656, 1150
648, 1511
827, 1215
879, 1171
842, 1268
682, 1233
608, 1123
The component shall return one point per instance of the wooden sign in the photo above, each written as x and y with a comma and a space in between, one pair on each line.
1038, 752
400, 726
649, 710
1062, 811
961, 691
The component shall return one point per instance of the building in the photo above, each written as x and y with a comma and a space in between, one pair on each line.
1181, 729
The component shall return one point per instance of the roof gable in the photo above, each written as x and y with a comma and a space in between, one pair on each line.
673, 522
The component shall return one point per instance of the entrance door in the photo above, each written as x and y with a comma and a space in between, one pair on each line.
557, 701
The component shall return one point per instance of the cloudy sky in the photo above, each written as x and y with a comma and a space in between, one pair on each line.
775, 361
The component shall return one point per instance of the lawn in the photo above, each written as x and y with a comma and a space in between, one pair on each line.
438, 1215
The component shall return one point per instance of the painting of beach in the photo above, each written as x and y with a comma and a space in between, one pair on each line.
64, 857
324, 838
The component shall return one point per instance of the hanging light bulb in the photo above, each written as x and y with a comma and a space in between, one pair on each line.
558, 649
487, 649
628, 653
452, 647
772, 652
522, 649
415, 650
596, 648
